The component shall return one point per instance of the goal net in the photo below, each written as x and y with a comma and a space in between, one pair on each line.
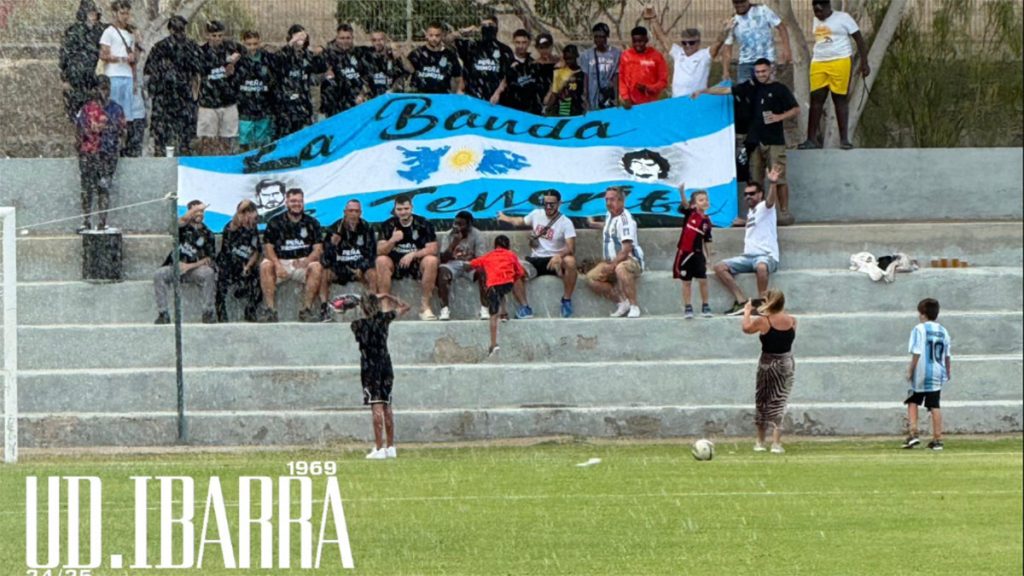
9, 312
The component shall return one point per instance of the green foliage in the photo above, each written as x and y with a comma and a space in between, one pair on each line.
390, 15
575, 17
955, 82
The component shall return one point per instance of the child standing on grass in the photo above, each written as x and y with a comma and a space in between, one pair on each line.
694, 249
929, 369
504, 274
377, 374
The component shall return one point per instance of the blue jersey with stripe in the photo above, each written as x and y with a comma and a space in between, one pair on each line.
930, 341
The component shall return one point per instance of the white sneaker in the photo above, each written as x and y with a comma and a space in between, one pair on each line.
391, 452
634, 312
758, 447
376, 454
427, 315
485, 314
445, 314
778, 449
622, 310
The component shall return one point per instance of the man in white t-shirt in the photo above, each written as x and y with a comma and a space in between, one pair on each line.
552, 245
691, 63
830, 69
760, 243
616, 277
120, 51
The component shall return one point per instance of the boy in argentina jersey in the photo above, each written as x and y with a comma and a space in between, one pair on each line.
929, 370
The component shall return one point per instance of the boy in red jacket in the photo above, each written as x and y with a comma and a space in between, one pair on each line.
504, 274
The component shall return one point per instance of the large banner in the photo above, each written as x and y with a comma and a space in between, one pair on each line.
455, 153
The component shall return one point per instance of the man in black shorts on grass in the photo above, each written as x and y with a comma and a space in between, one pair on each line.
375, 369
350, 253
407, 248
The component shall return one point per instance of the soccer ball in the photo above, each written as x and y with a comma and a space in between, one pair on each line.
703, 449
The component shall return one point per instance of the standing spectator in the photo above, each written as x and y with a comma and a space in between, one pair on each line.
760, 244
503, 271
433, 68
775, 368
600, 64
407, 248
831, 65
217, 125
546, 62
291, 251
485, 61
615, 278
295, 66
771, 105
929, 370
752, 27
120, 51
254, 75
196, 248
101, 127
350, 254
693, 249
238, 261
569, 87
346, 83
521, 87
643, 74
462, 244
552, 246
383, 66
375, 369
692, 64
79, 51
171, 70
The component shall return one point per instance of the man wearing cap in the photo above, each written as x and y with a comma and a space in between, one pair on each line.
546, 62
600, 64
692, 64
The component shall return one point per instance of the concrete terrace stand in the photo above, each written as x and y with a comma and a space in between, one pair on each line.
96, 371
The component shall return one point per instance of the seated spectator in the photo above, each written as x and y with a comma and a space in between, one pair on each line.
350, 253
552, 247
217, 126
568, 94
504, 273
238, 261
196, 248
760, 243
643, 74
462, 244
616, 277
291, 251
693, 249
171, 69
407, 248
101, 126
256, 85
79, 51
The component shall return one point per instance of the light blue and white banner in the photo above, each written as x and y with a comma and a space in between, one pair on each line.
454, 153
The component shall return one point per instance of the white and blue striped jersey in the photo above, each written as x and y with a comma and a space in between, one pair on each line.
618, 229
931, 341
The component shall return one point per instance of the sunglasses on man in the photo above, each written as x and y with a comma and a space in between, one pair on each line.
689, 42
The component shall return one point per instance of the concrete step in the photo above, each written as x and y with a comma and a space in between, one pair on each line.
538, 341
460, 386
59, 258
807, 290
329, 426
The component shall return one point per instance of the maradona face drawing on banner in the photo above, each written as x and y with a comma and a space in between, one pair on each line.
646, 165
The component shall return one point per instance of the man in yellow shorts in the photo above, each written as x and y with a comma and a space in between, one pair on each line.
830, 69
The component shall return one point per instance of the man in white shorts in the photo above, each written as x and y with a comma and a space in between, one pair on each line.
292, 249
553, 246
217, 123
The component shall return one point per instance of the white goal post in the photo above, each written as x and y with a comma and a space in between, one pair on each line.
9, 294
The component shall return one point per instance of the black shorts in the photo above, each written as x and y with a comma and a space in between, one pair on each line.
413, 271
345, 273
541, 264
929, 399
495, 294
377, 383
690, 265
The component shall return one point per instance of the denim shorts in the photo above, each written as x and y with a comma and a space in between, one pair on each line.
747, 263
131, 102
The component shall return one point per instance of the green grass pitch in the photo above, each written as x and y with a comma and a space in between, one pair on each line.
852, 506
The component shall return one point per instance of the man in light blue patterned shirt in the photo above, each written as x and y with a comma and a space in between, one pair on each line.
752, 28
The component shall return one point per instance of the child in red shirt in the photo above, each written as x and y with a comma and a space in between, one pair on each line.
694, 249
504, 274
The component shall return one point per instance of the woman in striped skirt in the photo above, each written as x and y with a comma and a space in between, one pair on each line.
776, 368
